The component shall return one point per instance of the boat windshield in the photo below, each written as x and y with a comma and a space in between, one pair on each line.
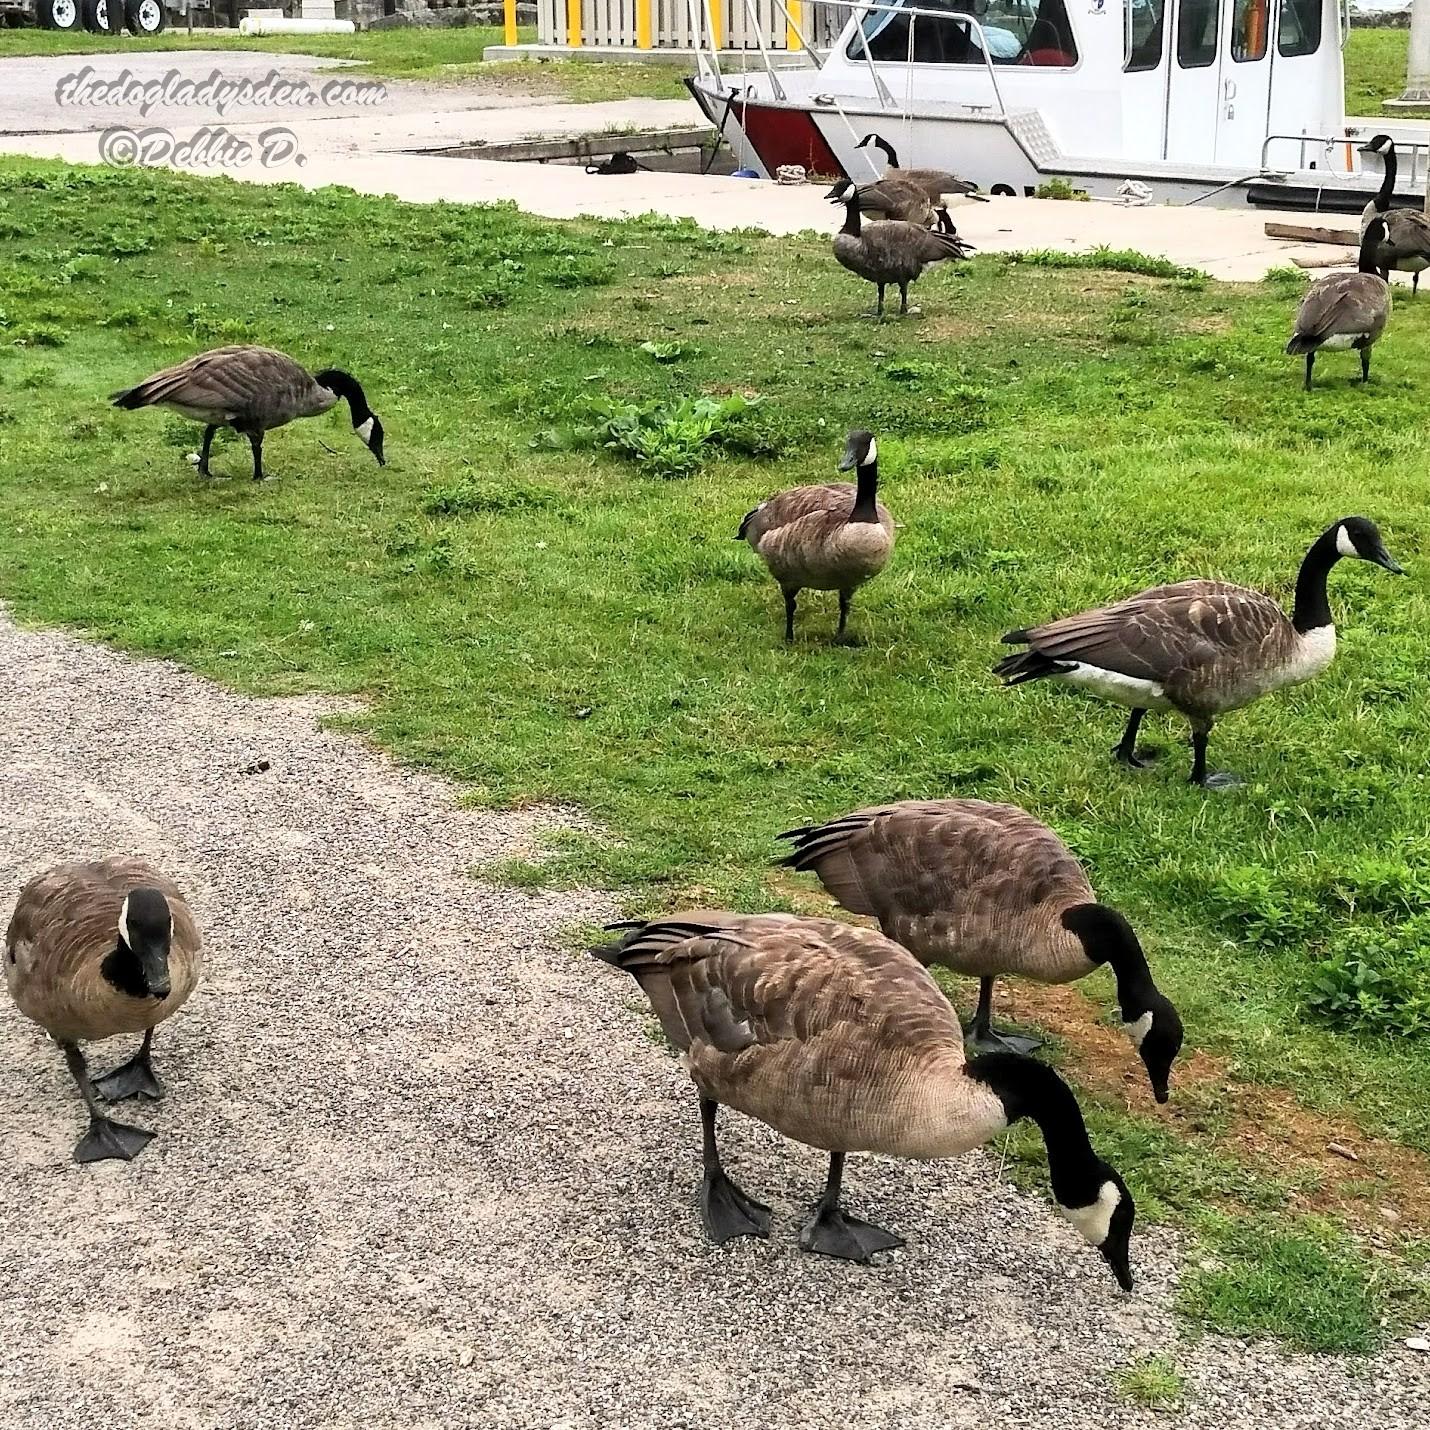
1019, 32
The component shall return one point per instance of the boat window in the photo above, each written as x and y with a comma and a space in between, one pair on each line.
1248, 29
1146, 30
1197, 22
1299, 32
1019, 32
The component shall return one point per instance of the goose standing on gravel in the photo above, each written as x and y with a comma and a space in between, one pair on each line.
1200, 648
836, 1037
1345, 310
253, 390
1406, 246
892, 199
93, 951
892, 252
938, 184
986, 890
833, 537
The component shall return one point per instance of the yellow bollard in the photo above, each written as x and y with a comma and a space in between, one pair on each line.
643, 25
791, 33
510, 22
717, 26
573, 23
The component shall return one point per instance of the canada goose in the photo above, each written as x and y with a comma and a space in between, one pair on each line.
986, 889
833, 537
95, 950
892, 252
252, 390
892, 199
1198, 647
1406, 246
836, 1037
1345, 310
936, 183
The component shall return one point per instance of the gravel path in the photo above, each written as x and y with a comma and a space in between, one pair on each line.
420, 1167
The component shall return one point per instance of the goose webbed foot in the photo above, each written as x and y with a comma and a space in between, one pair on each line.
728, 1212
136, 1078
108, 1140
831, 1232
992, 1040
1134, 759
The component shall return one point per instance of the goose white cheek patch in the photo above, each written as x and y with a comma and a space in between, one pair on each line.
1093, 1221
124, 922
1137, 1031
364, 431
872, 455
1344, 544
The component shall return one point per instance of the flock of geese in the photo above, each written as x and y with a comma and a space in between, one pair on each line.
833, 1034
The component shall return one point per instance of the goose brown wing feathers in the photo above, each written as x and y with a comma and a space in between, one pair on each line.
1340, 303
1407, 235
237, 380
794, 505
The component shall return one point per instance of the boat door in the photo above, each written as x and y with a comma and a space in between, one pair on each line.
1194, 103
1245, 96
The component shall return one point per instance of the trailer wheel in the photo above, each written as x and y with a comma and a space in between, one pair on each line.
144, 17
95, 14
58, 14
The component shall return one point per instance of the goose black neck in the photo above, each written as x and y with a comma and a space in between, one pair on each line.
1028, 1088
1108, 938
888, 150
1386, 192
1370, 241
865, 493
851, 216
1313, 607
348, 387
121, 969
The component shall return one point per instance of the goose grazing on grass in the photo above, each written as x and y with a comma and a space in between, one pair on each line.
93, 951
892, 252
987, 890
938, 184
1406, 245
1200, 648
833, 537
837, 1037
1345, 310
892, 199
253, 390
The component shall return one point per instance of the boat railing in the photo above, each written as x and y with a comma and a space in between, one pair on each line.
1335, 154
802, 51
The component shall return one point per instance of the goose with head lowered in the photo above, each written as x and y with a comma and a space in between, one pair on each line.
253, 390
1345, 310
94, 951
832, 537
892, 199
1406, 245
838, 1038
987, 890
891, 252
938, 184
1200, 648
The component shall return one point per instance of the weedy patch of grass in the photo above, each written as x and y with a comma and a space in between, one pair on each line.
1375, 72
1295, 1283
1105, 259
525, 613
1153, 1382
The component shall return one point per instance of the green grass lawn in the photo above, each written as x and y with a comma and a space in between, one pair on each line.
1375, 71
541, 619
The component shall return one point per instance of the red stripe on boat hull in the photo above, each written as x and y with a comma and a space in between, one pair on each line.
787, 136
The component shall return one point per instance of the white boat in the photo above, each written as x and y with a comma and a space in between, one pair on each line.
1224, 101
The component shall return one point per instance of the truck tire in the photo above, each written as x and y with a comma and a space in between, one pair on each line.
95, 14
58, 14
144, 17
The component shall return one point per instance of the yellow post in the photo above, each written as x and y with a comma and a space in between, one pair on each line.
717, 26
510, 22
643, 24
791, 33
573, 23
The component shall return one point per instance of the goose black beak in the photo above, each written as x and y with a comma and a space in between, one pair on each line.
1116, 1257
1384, 558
